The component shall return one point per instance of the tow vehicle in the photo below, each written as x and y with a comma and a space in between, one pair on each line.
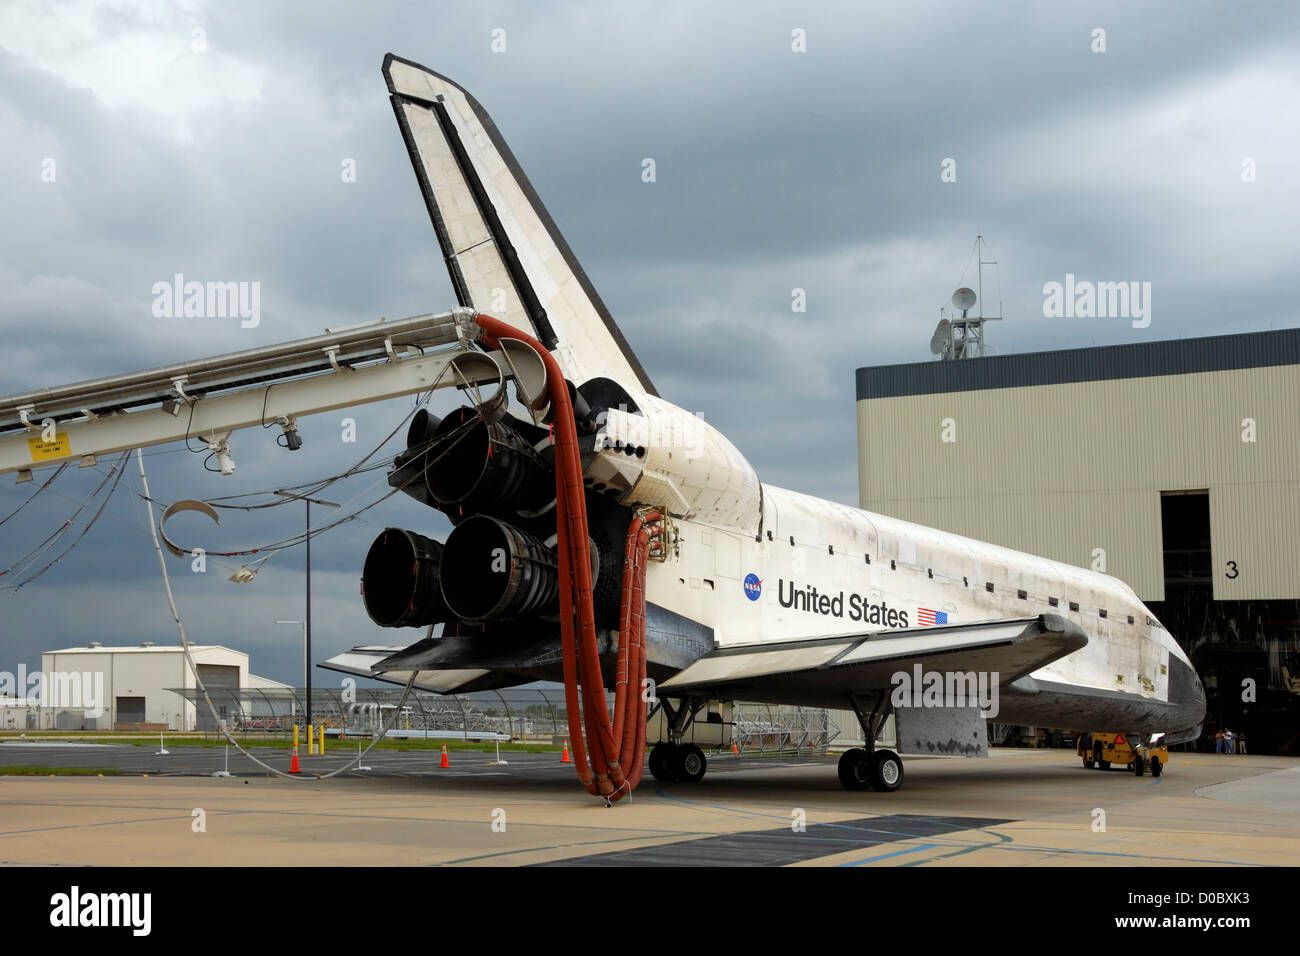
1102, 750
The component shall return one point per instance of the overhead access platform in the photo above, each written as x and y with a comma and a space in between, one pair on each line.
209, 398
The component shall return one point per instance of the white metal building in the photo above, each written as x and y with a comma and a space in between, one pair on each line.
123, 688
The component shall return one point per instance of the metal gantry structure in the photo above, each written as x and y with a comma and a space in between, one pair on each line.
769, 728
210, 398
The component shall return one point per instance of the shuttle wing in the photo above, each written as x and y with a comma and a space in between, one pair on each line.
361, 661
825, 671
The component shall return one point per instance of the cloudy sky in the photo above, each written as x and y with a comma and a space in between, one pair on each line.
143, 140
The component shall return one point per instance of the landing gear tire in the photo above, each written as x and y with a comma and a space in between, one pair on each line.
1139, 765
1156, 767
688, 763
661, 762
886, 771
855, 769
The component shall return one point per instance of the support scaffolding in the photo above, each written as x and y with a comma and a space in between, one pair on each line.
768, 728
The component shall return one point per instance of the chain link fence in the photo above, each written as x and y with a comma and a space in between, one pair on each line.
522, 714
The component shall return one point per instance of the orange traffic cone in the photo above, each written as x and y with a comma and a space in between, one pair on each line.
445, 761
564, 758
293, 764
734, 749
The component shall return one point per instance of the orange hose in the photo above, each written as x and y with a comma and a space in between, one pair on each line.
617, 749
631, 633
632, 624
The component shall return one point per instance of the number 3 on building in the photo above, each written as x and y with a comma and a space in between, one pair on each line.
1232, 570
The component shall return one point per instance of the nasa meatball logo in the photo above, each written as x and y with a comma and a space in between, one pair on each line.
753, 587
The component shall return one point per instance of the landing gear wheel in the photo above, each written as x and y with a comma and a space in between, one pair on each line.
886, 771
1139, 765
661, 762
855, 769
688, 763
1156, 767
1101, 764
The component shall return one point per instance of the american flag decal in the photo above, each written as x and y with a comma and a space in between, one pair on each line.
925, 616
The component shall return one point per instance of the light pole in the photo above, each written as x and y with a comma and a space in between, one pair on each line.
306, 627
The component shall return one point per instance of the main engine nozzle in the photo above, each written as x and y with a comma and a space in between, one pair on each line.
408, 467
492, 571
474, 467
400, 580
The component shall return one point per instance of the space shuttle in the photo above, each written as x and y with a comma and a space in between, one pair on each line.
643, 554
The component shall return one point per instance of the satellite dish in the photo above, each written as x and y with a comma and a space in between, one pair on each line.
963, 299
942, 335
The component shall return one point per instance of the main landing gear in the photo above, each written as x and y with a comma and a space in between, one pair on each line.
868, 768
875, 770
672, 761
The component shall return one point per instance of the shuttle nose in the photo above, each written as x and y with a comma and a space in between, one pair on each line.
1186, 691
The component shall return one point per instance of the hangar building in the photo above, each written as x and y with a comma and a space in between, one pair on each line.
125, 688
1172, 465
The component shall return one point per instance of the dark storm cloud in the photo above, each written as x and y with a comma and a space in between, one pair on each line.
775, 171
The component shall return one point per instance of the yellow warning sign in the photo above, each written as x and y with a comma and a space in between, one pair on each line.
45, 450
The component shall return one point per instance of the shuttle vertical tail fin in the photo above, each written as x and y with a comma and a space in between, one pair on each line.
503, 251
